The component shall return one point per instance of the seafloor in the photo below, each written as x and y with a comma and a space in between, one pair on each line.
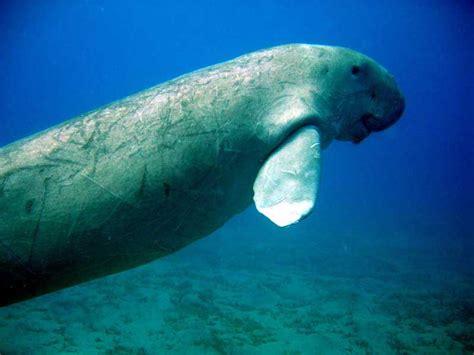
273, 292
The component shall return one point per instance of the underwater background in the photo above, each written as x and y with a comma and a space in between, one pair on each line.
385, 263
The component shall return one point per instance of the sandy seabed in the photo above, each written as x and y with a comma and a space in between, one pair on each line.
232, 294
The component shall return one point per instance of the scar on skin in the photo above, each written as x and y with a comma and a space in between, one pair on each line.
29, 206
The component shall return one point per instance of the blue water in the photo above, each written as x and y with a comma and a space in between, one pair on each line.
384, 264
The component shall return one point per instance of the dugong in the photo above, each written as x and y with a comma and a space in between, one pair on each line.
145, 176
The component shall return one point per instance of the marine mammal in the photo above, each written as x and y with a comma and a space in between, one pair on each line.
147, 175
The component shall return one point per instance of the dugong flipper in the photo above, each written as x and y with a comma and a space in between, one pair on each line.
145, 176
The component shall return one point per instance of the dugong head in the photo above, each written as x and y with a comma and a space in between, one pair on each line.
364, 97
340, 94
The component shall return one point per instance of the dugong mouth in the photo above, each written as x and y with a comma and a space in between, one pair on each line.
372, 123
367, 124
376, 124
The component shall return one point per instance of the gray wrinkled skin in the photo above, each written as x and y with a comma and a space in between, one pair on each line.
147, 175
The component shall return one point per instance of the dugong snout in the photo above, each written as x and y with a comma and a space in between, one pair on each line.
375, 124
385, 106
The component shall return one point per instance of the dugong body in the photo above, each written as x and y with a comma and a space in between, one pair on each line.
145, 176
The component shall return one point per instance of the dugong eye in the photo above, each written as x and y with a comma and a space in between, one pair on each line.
355, 69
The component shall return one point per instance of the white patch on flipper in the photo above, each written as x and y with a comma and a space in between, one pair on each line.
286, 186
287, 213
